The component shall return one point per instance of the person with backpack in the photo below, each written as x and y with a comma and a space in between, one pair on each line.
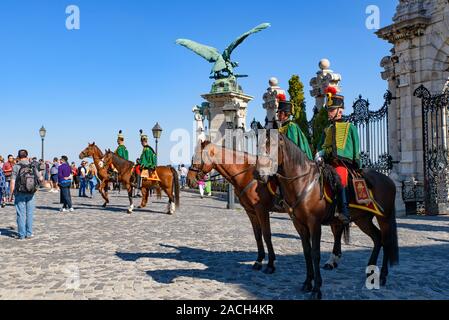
25, 181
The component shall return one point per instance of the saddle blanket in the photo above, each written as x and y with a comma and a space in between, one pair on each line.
153, 177
368, 206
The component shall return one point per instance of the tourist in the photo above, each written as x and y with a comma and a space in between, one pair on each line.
25, 180
54, 175
47, 172
42, 171
183, 174
65, 183
2, 187
201, 185
7, 170
82, 172
208, 185
92, 178
76, 180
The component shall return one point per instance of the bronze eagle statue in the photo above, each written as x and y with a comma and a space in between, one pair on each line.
223, 65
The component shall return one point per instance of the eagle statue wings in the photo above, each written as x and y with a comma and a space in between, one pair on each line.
223, 65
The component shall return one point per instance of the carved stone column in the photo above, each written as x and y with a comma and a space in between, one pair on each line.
324, 78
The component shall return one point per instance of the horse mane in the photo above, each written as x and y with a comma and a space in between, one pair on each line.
235, 153
295, 154
120, 161
100, 153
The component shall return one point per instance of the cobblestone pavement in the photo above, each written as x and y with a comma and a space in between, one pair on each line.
202, 252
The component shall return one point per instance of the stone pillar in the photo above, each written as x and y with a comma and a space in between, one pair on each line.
419, 36
225, 93
271, 102
324, 78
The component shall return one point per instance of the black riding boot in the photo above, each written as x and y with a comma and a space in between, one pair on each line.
139, 182
343, 214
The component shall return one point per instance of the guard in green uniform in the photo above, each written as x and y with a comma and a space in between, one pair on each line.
340, 148
291, 129
148, 159
121, 151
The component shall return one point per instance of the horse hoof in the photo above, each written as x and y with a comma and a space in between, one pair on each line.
104, 206
269, 270
328, 267
306, 287
316, 295
257, 266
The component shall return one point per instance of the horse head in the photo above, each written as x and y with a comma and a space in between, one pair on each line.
269, 157
202, 162
90, 151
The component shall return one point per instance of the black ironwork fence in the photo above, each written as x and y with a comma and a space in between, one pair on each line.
435, 119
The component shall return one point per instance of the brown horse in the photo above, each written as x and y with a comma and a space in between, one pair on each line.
299, 181
92, 151
255, 197
168, 176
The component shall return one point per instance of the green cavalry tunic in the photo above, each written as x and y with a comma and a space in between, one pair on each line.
148, 159
122, 152
295, 134
341, 141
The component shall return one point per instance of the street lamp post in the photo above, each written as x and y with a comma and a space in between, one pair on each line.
230, 113
42, 133
157, 132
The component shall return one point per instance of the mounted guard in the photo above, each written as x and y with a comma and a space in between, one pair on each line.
121, 150
148, 161
291, 129
340, 148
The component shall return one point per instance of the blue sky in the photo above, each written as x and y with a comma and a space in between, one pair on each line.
122, 69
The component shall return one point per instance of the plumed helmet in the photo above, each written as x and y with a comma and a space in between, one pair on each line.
285, 106
334, 100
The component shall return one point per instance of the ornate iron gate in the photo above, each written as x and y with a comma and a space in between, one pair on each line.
435, 119
373, 134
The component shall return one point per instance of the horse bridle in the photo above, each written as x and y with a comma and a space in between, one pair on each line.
302, 195
229, 178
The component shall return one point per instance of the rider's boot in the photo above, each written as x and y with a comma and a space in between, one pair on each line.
343, 214
139, 182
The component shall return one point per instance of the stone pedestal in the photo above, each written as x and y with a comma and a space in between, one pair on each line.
225, 93
420, 56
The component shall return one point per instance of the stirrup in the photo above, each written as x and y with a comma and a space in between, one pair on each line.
344, 219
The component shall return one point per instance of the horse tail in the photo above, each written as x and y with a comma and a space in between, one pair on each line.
176, 185
347, 234
393, 244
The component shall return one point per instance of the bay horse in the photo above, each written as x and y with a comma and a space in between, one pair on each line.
253, 195
169, 181
94, 152
299, 178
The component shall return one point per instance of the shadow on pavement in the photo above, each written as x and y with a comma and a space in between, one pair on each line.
348, 280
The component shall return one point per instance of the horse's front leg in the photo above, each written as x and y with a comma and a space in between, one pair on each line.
316, 257
334, 259
264, 218
258, 236
304, 234
130, 198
